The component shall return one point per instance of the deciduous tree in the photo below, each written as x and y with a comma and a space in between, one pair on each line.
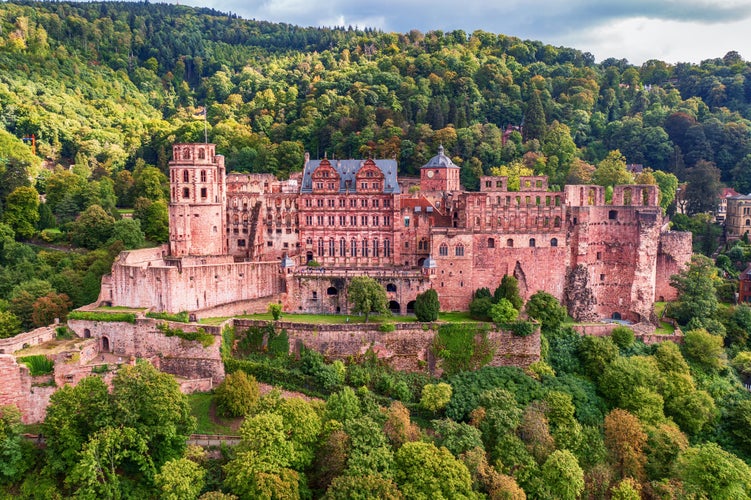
367, 296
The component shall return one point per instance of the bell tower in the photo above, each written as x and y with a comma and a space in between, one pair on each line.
198, 200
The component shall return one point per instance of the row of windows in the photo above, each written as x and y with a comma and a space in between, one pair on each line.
365, 248
344, 220
502, 221
186, 154
186, 193
331, 186
186, 176
443, 249
364, 203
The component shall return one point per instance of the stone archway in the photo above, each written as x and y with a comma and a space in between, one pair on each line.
411, 307
616, 316
105, 344
394, 307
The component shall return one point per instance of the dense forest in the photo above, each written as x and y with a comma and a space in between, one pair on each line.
92, 95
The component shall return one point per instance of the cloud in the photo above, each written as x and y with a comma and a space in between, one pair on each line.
597, 22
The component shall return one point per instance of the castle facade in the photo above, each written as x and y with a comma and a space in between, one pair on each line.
240, 241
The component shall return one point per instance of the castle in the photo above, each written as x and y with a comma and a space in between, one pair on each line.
240, 241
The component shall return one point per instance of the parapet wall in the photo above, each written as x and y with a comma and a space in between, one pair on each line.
27, 339
407, 348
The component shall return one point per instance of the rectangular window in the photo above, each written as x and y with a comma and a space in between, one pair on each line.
375, 203
387, 221
307, 202
319, 203
352, 220
203, 193
342, 203
364, 203
375, 220
342, 220
386, 203
353, 203
309, 220
364, 220
406, 222
331, 203
332, 220
319, 220
241, 243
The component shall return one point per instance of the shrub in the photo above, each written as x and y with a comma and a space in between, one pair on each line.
200, 335
181, 317
275, 310
386, 327
503, 312
427, 306
435, 396
479, 308
623, 337
118, 317
462, 346
38, 364
237, 395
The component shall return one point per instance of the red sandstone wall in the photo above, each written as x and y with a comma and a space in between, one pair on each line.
407, 348
673, 256
17, 389
23, 340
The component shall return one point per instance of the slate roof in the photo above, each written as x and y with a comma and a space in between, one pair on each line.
440, 161
347, 170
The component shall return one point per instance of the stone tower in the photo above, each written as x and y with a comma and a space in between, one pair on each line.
197, 201
439, 174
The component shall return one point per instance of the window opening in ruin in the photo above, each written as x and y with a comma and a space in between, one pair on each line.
201, 154
186, 192
204, 193
86, 333
411, 306
443, 250
387, 248
602, 277
353, 248
459, 250
509, 242
241, 243
390, 287
532, 242
599, 255
616, 316
315, 295
342, 248
332, 291
613, 215
491, 243
186, 176
394, 307
627, 196
105, 344
320, 246
203, 174
644, 197
554, 242
406, 222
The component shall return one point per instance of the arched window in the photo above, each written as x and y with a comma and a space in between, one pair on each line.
509, 242
532, 242
376, 249
557, 222
332, 248
748, 222
365, 248
554, 242
186, 154
342, 248
491, 243
459, 250
203, 174
186, 176
332, 291
320, 247
443, 250
353, 248
390, 287
387, 248
201, 154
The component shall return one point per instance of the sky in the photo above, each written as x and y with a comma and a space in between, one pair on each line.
638, 30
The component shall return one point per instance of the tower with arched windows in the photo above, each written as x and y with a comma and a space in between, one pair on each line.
197, 201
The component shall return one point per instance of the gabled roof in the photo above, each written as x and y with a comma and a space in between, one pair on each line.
347, 170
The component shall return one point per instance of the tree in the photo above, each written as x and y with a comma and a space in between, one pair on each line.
362, 488
696, 291
703, 188
664, 443
154, 218
367, 296
509, 290
535, 124
180, 479
128, 231
623, 337
562, 477
12, 452
10, 325
92, 228
612, 171
595, 353
668, 184
709, 471
424, 471
237, 395
704, 349
625, 440
627, 489
435, 396
427, 306
22, 211
545, 308
398, 427
50, 307
150, 401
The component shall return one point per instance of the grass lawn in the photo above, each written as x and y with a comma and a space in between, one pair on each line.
120, 308
665, 329
202, 407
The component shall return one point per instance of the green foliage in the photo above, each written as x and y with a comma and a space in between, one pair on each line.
275, 310
237, 394
200, 335
480, 307
709, 471
435, 396
623, 337
509, 290
704, 349
457, 437
363, 488
386, 327
427, 306
424, 471
10, 325
695, 285
520, 328
367, 296
503, 312
38, 364
180, 479
117, 317
13, 459
92, 228
462, 346
562, 476
22, 211
546, 309
181, 317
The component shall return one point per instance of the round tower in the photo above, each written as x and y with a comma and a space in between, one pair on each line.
197, 201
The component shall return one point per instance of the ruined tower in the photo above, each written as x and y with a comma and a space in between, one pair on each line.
197, 201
